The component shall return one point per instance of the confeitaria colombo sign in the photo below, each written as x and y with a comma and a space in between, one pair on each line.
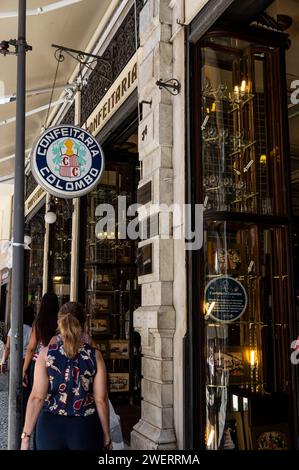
67, 161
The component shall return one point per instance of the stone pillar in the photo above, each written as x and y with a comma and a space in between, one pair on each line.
155, 319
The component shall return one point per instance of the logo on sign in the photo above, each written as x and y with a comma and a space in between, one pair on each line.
67, 161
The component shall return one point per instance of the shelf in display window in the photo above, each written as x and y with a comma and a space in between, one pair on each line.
100, 325
237, 103
101, 291
241, 322
111, 264
238, 278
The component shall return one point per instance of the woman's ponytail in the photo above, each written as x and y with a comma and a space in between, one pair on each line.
71, 321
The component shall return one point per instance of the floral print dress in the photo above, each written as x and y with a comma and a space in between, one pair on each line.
70, 390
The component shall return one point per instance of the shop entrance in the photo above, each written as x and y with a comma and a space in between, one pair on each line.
109, 287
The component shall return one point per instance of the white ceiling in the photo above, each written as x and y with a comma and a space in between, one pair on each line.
71, 26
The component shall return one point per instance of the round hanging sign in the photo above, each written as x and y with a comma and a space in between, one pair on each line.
67, 161
225, 299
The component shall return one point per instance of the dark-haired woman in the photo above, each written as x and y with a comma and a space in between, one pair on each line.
43, 329
28, 318
69, 400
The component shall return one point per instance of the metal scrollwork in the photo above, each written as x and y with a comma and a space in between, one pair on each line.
119, 52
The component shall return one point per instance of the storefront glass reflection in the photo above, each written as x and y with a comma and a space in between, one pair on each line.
246, 357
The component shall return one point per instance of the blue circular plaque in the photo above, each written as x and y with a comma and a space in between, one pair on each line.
225, 299
67, 161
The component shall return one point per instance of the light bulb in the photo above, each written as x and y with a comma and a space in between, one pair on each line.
263, 159
252, 357
236, 92
50, 217
243, 86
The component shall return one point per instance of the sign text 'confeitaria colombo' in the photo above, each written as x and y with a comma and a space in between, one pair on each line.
67, 161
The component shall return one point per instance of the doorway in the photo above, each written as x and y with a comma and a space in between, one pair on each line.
109, 287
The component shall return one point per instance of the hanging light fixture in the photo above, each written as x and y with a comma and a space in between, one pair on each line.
50, 216
27, 236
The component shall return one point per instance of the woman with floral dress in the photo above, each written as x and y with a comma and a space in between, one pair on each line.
69, 399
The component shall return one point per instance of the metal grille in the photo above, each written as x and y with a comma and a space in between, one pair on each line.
119, 52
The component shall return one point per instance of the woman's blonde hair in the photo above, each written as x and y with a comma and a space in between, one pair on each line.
71, 321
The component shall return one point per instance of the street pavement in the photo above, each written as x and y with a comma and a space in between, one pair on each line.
3, 405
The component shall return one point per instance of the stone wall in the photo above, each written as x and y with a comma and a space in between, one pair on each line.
155, 320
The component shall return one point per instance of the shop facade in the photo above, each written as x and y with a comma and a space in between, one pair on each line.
189, 366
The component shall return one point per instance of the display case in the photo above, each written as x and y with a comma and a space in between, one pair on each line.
241, 148
111, 288
244, 270
60, 249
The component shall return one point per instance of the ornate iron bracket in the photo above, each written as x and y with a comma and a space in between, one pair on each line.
80, 56
4, 46
172, 85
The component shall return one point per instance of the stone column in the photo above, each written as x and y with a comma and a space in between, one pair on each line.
155, 319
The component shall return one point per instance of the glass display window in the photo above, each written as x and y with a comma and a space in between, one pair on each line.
242, 153
246, 305
243, 271
60, 249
